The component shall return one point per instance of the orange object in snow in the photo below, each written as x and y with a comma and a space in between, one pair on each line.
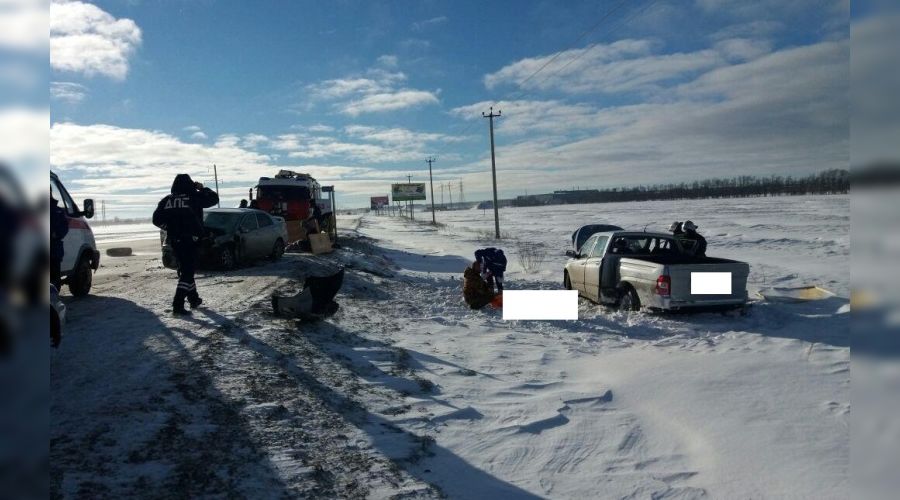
497, 301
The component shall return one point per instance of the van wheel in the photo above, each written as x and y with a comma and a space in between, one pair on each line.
567, 283
82, 278
628, 299
278, 250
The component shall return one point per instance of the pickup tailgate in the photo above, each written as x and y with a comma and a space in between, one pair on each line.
681, 275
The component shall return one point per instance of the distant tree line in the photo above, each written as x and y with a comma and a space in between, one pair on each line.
835, 181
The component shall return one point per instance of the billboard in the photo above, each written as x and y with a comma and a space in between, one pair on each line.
408, 192
378, 202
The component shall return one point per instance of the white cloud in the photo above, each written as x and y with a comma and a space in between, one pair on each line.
743, 49
68, 91
320, 128
545, 117
428, 23
25, 130
192, 128
622, 66
388, 61
133, 168
85, 39
397, 135
388, 101
784, 112
252, 141
378, 91
23, 25
199, 136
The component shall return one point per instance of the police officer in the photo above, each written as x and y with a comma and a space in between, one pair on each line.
181, 215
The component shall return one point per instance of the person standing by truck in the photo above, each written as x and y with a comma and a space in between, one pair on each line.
180, 214
59, 227
696, 243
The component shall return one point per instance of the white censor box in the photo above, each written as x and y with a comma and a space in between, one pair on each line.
710, 283
540, 304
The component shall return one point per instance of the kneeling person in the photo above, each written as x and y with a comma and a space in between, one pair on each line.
476, 291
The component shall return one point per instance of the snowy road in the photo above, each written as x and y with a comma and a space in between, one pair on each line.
407, 392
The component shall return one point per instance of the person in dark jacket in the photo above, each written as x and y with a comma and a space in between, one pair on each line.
59, 228
493, 264
180, 214
476, 291
696, 243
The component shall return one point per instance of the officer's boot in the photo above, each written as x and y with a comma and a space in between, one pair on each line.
178, 303
194, 299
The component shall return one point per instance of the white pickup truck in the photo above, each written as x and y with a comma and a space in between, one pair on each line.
633, 270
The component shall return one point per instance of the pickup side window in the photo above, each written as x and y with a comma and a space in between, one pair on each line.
599, 246
585, 249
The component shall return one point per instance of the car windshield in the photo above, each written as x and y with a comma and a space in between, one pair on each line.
222, 221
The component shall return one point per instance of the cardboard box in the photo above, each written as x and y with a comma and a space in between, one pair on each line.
320, 243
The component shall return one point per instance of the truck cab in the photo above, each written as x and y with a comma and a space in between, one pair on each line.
81, 257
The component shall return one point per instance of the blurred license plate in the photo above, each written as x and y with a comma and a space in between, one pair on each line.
710, 283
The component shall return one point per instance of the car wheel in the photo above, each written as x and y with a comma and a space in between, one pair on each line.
82, 278
628, 299
567, 283
278, 250
227, 259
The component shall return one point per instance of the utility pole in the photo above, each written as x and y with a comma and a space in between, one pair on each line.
216, 173
409, 203
490, 116
442, 197
450, 191
430, 160
462, 198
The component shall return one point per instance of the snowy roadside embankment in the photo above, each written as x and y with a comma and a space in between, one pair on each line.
407, 392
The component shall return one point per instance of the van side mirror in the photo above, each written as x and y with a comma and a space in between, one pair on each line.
572, 254
88, 211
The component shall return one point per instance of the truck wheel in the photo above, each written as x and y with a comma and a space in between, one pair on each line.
628, 299
278, 250
82, 277
566, 281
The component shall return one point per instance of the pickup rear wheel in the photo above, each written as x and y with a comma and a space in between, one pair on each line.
567, 283
628, 299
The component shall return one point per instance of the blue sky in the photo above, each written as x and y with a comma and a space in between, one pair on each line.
359, 93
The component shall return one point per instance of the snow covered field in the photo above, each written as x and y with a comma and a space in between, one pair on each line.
406, 392
124, 232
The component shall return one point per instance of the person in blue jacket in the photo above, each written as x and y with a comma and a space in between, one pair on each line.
493, 265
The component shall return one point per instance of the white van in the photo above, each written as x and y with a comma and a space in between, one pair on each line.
81, 257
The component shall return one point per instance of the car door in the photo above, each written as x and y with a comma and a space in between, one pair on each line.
576, 268
268, 233
592, 268
249, 236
